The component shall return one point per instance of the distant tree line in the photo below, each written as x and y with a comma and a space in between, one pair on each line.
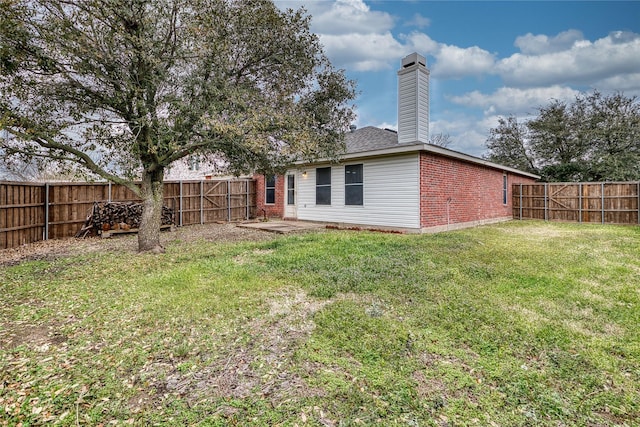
593, 138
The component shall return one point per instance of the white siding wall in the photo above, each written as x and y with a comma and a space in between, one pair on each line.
391, 194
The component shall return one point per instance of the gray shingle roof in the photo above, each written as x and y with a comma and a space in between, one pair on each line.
370, 138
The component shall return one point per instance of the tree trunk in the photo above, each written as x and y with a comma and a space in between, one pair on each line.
152, 191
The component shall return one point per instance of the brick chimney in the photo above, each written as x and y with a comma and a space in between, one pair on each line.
413, 100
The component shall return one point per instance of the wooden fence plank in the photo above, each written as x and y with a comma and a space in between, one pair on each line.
20, 222
589, 202
30, 212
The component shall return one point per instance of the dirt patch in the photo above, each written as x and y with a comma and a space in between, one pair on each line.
259, 367
429, 388
38, 337
50, 250
541, 230
242, 258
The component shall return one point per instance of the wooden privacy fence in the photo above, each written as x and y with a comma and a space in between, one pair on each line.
30, 212
596, 202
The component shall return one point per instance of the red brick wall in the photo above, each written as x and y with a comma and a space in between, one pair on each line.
272, 210
472, 192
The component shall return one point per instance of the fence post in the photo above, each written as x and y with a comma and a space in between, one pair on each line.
638, 191
580, 203
180, 205
246, 182
46, 212
228, 201
545, 201
602, 201
109, 191
201, 202
520, 201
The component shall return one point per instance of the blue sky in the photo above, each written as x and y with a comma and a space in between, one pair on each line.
487, 59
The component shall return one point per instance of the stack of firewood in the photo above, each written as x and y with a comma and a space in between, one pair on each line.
114, 216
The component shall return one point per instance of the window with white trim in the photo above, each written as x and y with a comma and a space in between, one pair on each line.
505, 189
291, 190
353, 185
323, 186
270, 190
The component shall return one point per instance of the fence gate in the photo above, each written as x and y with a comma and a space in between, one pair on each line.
589, 202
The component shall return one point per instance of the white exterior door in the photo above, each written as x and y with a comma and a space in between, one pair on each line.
291, 196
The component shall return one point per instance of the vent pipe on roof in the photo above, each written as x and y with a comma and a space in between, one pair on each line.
413, 100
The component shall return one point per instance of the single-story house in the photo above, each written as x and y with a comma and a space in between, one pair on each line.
395, 180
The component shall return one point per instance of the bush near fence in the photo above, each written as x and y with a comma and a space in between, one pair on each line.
30, 212
588, 202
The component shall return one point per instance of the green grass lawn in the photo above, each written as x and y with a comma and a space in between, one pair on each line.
523, 323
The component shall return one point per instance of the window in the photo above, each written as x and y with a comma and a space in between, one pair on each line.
323, 186
194, 163
291, 190
353, 178
270, 190
504, 189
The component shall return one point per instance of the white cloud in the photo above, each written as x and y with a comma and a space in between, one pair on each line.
450, 127
508, 100
360, 39
472, 142
417, 20
456, 62
451, 61
342, 16
354, 36
385, 125
627, 83
362, 52
420, 42
585, 62
468, 135
351, 17
530, 44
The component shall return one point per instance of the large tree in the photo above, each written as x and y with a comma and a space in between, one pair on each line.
593, 138
124, 88
614, 125
560, 141
508, 145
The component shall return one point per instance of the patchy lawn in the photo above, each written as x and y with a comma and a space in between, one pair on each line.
523, 323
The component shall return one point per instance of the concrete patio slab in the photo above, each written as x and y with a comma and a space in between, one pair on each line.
283, 227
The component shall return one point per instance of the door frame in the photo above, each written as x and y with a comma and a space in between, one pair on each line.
291, 210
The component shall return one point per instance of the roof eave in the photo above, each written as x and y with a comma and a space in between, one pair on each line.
382, 152
472, 159
429, 148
